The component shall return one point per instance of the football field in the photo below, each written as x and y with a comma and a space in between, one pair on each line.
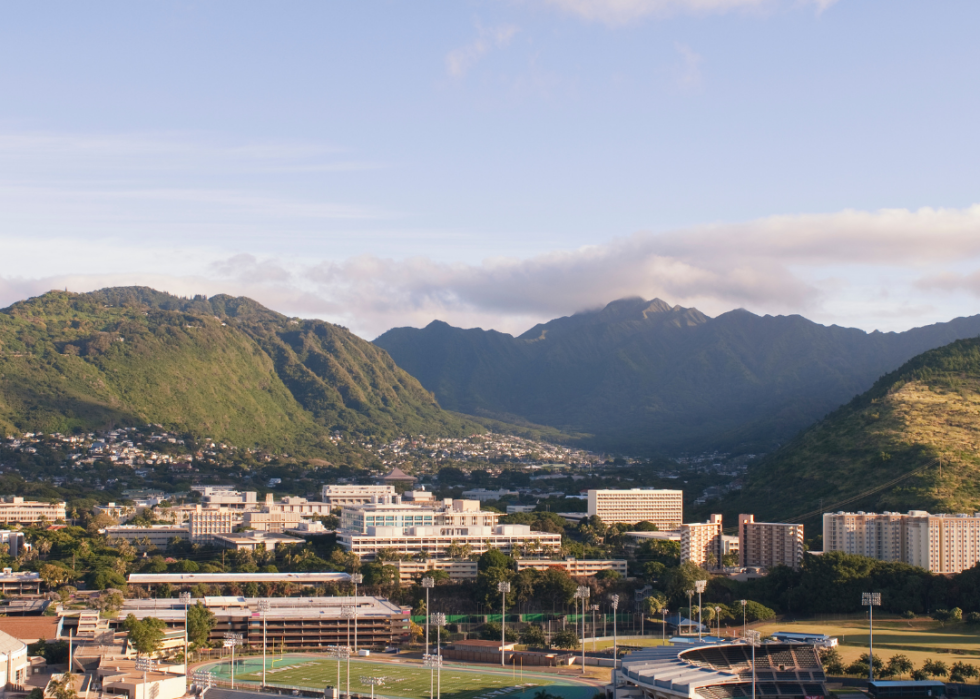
404, 680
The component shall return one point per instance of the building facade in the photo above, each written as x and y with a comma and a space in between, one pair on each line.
702, 543
767, 544
457, 569
346, 495
574, 567
21, 511
157, 536
202, 525
665, 508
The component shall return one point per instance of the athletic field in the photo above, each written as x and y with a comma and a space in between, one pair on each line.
404, 680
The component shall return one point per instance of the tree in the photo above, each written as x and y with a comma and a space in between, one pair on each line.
645, 527
935, 668
55, 575
494, 558
961, 672
533, 635
566, 638
200, 622
832, 662
490, 631
758, 612
146, 634
64, 687
899, 665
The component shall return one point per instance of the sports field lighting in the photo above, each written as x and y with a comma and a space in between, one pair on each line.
744, 603
871, 600
754, 638
232, 640
340, 653
433, 662
582, 592
347, 612
718, 620
439, 619
428, 583
204, 679
614, 603
663, 628
699, 585
690, 610
144, 664
374, 682
357, 579
503, 588
185, 597
264, 610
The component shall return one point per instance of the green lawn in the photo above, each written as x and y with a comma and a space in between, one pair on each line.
405, 680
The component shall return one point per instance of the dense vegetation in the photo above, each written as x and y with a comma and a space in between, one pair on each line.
224, 367
641, 376
925, 411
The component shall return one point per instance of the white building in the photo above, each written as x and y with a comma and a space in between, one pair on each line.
30, 512
15, 666
120, 513
203, 524
665, 508
346, 495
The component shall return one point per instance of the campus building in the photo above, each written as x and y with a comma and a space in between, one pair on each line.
574, 567
203, 525
156, 536
940, 543
665, 508
702, 543
15, 666
18, 510
767, 544
24, 582
292, 623
456, 568
347, 495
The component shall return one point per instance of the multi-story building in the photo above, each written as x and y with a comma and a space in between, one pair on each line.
30, 512
410, 529
157, 536
482, 494
297, 506
15, 541
665, 508
184, 581
573, 566
457, 569
939, 543
347, 495
295, 623
230, 499
276, 522
702, 543
203, 524
768, 544
120, 513
25, 582
253, 541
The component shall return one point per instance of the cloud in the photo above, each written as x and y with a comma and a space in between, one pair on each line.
689, 76
459, 61
620, 12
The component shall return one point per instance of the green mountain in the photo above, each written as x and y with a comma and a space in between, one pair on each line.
882, 450
644, 376
223, 367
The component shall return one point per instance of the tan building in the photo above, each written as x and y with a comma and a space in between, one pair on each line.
879, 536
766, 544
253, 541
574, 567
458, 569
665, 508
346, 495
24, 582
120, 513
276, 522
203, 524
297, 506
30, 512
156, 536
15, 666
702, 543
121, 677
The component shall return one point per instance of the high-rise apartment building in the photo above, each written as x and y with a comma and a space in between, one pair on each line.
768, 544
665, 508
702, 543
940, 543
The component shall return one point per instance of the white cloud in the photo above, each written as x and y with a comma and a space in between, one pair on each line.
689, 75
459, 61
619, 12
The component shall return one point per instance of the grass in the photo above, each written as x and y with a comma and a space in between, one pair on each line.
919, 639
406, 680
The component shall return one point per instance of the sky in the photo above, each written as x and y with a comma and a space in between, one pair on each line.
498, 163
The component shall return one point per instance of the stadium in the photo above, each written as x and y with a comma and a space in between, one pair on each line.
720, 671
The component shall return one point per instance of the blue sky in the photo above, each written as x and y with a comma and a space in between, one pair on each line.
498, 163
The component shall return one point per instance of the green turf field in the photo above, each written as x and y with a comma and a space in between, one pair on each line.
404, 680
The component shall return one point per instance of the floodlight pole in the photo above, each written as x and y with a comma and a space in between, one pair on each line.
744, 603
614, 601
690, 610
583, 593
718, 620
185, 597
440, 621
699, 585
143, 664
871, 600
233, 639
264, 609
503, 588
428, 583
754, 638
356, 578
346, 612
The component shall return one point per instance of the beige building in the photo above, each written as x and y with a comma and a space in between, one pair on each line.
346, 495
30, 512
574, 567
458, 569
120, 513
253, 541
766, 544
665, 508
15, 666
203, 524
277, 522
702, 543
121, 677
939, 543
156, 536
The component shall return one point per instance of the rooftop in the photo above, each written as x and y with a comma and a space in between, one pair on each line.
211, 578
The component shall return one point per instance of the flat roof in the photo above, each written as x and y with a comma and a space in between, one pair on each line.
171, 609
160, 578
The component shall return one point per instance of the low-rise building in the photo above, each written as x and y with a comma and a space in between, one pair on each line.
15, 542
156, 536
574, 566
701, 543
203, 525
23, 582
457, 569
120, 513
276, 522
122, 677
251, 541
15, 665
347, 495
185, 581
18, 510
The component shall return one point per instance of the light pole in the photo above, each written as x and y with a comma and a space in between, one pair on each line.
232, 640
373, 681
503, 588
205, 679
340, 653
264, 610
428, 583
439, 619
754, 638
744, 603
690, 610
144, 664
432, 662
699, 585
871, 600
347, 612
614, 601
718, 620
594, 608
356, 578
582, 593
663, 628
185, 597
